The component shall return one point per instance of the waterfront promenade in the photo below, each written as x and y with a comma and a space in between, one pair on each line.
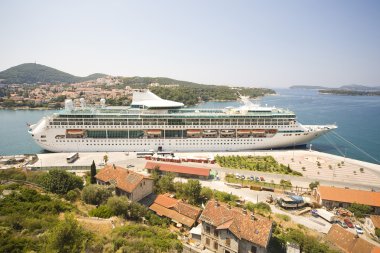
315, 166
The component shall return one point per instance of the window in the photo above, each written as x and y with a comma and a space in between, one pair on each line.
208, 241
216, 233
253, 249
226, 251
215, 245
208, 230
228, 242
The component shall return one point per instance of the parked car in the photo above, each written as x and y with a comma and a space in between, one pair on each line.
358, 229
237, 176
342, 224
314, 213
242, 177
101, 164
257, 179
130, 166
252, 178
348, 223
262, 179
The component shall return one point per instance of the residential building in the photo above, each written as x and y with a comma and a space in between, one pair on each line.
348, 242
127, 183
331, 197
176, 210
178, 170
372, 223
227, 229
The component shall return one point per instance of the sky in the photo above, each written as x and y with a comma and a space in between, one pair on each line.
248, 43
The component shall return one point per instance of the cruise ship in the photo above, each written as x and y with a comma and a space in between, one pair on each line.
152, 123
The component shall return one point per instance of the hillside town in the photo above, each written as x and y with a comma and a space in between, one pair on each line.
52, 95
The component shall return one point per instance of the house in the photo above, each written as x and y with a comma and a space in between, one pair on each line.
227, 229
174, 209
178, 170
331, 197
348, 242
127, 183
372, 223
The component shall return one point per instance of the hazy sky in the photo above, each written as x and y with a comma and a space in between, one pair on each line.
251, 43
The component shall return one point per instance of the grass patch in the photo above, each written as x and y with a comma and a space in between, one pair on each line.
255, 163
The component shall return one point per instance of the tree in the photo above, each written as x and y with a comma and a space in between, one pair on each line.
96, 194
60, 181
313, 185
105, 158
360, 210
67, 237
377, 232
165, 183
93, 173
118, 205
206, 194
192, 191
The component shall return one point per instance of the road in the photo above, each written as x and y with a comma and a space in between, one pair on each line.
317, 224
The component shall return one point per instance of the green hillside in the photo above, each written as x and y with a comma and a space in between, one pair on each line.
36, 73
191, 93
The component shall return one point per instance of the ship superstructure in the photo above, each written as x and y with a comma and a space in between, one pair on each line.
152, 123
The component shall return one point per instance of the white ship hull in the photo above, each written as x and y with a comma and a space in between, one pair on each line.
279, 140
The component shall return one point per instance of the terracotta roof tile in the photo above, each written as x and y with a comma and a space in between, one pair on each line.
175, 209
375, 220
347, 241
349, 195
166, 201
188, 210
123, 179
376, 250
172, 214
257, 230
170, 167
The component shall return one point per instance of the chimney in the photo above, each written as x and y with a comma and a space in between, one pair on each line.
216, 203
113, 166
253, 216
228, 206
244, 211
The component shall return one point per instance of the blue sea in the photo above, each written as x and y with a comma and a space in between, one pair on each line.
357, 118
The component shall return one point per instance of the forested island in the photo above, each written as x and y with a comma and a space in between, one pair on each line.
350, 92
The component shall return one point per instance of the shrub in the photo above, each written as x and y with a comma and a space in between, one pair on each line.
118, 205
283, 217
96, 194
102, 211
72, 195
60, 181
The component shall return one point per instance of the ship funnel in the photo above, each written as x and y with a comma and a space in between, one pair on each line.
69, 106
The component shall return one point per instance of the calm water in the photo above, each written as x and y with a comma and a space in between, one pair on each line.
358, 120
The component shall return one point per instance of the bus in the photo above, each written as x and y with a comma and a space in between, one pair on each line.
143, 154
72, 157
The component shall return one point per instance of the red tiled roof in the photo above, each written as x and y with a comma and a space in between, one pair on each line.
169, 167
162, 211
347, 241
375, 220
165, 201
257, 230
123, 179
349, 195
175, 209
188, 210
376, 250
